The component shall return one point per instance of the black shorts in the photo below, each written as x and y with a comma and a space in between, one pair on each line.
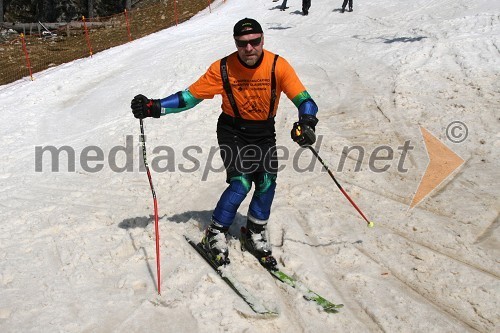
247, 146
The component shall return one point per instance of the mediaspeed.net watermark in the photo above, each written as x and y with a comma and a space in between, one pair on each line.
194, 158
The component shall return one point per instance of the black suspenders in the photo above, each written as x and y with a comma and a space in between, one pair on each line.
273, 87
229, 92
227, 87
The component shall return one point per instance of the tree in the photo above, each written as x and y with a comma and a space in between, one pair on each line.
1, 11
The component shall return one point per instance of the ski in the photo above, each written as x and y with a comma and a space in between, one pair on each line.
252, 301
308, 294
269, 263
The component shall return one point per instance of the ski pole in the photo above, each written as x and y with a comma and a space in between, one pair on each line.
370, 224
157, 235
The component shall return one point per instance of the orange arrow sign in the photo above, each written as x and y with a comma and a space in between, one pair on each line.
442, 162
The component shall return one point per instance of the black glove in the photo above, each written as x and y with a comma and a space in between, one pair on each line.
143, 107
303, 130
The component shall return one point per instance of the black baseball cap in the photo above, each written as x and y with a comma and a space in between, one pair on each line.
247, 26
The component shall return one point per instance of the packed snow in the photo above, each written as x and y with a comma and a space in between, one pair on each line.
78, 244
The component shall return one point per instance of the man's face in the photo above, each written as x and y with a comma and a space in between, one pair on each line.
250, 47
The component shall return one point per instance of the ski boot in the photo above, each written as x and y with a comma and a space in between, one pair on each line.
215, 244
342, 10
255, 239
350, 9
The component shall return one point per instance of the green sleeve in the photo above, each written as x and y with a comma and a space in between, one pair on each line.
301, 97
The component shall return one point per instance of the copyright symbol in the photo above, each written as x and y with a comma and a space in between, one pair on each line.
457, 132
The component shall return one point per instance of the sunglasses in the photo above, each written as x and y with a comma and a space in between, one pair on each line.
244, 43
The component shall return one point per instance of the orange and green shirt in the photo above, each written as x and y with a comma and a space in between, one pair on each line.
251, 87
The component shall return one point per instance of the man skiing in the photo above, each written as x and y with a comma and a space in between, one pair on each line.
250, 81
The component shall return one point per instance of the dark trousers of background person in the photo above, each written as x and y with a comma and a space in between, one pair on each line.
283, 5
345, 4
306, 4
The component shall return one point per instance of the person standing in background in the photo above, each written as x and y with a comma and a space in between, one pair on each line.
345, 4
306, 4
283, 6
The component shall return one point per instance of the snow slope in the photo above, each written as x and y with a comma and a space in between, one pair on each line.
77, 248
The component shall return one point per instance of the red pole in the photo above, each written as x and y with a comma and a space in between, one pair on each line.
87, 36
369, 223
26, 55
209, 8
157, 236
175, 12
157, 232
128, 26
